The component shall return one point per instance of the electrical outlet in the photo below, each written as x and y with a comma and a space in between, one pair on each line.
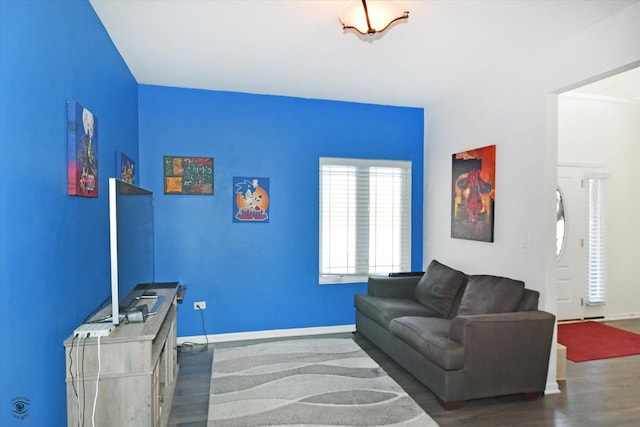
200, 305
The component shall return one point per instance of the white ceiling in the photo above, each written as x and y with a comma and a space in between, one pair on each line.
298, 48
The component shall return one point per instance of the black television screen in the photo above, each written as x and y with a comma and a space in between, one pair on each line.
131, 242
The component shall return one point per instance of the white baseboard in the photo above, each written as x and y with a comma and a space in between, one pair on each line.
552, 388
621, 316
275, 333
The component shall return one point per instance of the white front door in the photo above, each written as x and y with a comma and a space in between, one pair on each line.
573, 258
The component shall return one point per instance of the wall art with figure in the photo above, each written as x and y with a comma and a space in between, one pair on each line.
250, 199
473, 194
82, 151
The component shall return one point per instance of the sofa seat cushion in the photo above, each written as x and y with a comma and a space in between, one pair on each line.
382, 310
430, 337
439, 286
486, 294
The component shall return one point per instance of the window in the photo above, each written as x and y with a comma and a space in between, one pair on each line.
597, 233
560, 223
365, 218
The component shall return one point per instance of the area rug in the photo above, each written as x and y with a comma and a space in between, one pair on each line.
590, 340
307, 382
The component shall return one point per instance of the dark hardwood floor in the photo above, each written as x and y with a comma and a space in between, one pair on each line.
190, 404
597, 393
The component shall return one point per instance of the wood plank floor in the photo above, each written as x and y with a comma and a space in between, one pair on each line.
597, 393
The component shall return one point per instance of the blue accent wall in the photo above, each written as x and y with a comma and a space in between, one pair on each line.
262, 276
54, 248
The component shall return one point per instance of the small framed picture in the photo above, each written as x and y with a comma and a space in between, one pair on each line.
125, 168
250, 199
188, 175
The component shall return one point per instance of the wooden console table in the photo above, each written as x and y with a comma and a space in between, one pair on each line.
138, 368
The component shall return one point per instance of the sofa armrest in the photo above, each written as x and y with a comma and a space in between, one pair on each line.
504, 353
464, 327
393, 287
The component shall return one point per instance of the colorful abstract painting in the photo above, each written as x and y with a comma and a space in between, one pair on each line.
188, 175
125, 168
82, 151
473, 194
250, 199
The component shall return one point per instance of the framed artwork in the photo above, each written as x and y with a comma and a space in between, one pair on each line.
473, 194
188, 175
250, 199
125, 168
82, 151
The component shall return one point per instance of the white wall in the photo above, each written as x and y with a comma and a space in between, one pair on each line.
596, 131
516, 112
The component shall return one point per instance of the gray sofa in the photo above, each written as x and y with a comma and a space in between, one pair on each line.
463, 336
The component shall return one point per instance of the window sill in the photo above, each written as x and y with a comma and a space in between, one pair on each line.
339, 280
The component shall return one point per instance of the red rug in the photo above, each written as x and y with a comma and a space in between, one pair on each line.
592, 341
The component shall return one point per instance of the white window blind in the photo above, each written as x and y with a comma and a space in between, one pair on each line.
597, 242
365, 218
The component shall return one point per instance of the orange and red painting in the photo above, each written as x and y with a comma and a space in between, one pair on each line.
473, 194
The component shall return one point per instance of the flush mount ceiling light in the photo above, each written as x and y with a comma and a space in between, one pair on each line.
371, 17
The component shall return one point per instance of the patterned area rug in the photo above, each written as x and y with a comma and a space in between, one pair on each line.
307, 382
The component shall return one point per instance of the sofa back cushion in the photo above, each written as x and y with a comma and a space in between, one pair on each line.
486, 294
529, 300
438, 287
